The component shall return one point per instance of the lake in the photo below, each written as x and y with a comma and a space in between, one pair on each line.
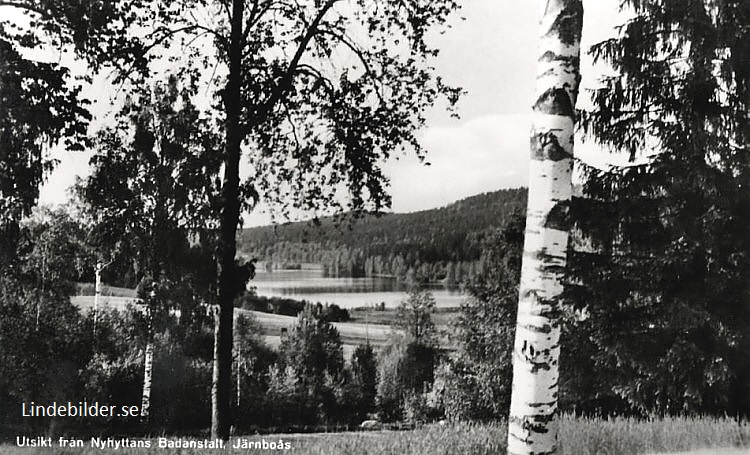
345, 292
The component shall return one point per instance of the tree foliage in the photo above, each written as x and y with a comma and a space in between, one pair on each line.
406, 366
364, 379
37, 109
41, 103
326, 89
54, 250
94, 31
153, 193
316, 95
313, 353
153, 197
253, 359
665, 284
414, 317
44, 340
405, 370
477, 382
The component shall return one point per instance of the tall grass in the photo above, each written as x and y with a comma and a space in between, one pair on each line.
637, 436
578, 436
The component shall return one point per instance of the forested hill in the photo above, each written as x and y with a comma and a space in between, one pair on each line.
437, 244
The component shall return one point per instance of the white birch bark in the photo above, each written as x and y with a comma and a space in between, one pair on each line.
532, 424
148, 365
147, 380
97, 292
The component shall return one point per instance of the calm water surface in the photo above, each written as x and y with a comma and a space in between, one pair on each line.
344, 292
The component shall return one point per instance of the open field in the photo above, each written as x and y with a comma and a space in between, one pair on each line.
352, 333
367, 324
578, 437
442, 317
86, 302
89, 289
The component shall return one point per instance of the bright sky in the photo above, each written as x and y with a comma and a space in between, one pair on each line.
492, 55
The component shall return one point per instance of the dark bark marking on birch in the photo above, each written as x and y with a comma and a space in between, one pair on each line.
549, 264
515, 436
555, 101
540, 404
551, 303
553, 312
568, 24
530, 354
550, 306
545, 257
552, 269
567, 60
546, 418
544, 146
559, 216
544, 328
537, 366
529, 421
534, 424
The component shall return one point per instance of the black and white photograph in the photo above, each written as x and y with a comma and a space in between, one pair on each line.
457, 227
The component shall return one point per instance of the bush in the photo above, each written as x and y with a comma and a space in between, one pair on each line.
44, 343
252, 361
478, 377
420, 408
406, 368
456, 391
175, 377
312, 354
364, 380
283, 400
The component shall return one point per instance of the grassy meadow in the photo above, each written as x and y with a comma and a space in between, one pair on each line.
366, 326
352, 333
107, 290
442, 317
579, 436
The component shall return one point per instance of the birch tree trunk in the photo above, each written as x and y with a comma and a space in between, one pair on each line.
532, 424
148, 368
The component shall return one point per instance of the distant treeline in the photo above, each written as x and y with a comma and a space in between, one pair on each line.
291, 307
441, 244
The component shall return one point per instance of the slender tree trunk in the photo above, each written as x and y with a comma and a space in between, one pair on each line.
532, 425
148, 361
230, 214
148, 367
97, 293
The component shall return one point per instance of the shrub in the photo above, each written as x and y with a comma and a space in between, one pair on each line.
313, 354
406, 367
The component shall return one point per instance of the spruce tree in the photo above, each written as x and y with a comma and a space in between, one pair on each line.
666, 286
